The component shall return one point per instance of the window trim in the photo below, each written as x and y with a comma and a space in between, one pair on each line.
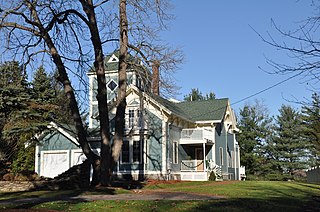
121, 155
114, 87
140, 152
131, 119
221, 156
175, 152
131, 152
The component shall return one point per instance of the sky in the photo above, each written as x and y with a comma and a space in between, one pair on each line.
223, 53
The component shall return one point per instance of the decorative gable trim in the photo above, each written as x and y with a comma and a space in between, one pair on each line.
64, 133
232, 123
113, 59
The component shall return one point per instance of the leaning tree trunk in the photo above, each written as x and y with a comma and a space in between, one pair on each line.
105, 174
121, 101
64, 79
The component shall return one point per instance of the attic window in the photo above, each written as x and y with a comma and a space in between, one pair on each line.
112, 85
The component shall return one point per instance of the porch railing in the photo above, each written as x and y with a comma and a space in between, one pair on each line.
242, 172
192, 165
199, 135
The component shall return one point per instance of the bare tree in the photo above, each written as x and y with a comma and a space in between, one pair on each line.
121, 100
302, 46
28, 32
60, 31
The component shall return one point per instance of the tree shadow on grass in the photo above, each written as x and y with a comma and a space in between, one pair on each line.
29, 199
238, 204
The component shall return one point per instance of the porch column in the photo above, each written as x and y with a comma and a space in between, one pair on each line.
204, 157
163, 147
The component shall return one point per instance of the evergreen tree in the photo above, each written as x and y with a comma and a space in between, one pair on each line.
311, 128
24, 113
255, 128
49, 93
43, 85
196, 95
12, 88
62, 114
210, 96
289, 147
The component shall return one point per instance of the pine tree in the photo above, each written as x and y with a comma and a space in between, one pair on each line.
24, 111
255, 128
289, 147
42, 85
196, 95
12, 87
311, 128
62, 114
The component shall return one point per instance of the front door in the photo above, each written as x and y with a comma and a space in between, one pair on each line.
199, 158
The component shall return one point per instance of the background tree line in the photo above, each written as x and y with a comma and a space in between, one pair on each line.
279, 147
26, 108
276, 147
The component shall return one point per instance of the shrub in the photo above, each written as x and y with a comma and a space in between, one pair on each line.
212, 176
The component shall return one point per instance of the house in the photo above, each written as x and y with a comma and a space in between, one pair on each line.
164, 139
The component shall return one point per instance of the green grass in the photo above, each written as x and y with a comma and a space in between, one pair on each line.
240, 196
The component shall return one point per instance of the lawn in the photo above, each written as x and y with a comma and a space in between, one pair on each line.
240, 196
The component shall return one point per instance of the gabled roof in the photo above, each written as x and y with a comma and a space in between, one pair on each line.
206, 110
111, 62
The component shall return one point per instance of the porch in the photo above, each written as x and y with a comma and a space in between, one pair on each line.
197, 136
198, 170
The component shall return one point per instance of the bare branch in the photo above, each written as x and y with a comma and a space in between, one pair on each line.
100, 3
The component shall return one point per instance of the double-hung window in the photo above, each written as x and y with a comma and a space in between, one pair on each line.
136, 150
125, 152
131, 151
131, 119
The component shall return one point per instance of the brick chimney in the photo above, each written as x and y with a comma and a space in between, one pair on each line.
155, 77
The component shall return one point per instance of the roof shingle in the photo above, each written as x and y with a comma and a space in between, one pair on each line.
205, 110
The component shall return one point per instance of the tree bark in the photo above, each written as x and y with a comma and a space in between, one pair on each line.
64, 79
122, 74
106, 172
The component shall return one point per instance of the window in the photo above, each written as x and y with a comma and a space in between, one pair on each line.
112, 85
139, 115
131, 152
175, 152
230, 159
125, 157
138, 83
131, 118
221, 156
136, 150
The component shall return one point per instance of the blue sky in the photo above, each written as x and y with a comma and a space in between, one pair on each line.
223, 53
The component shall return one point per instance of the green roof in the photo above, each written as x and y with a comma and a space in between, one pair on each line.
134, 62
205, 110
